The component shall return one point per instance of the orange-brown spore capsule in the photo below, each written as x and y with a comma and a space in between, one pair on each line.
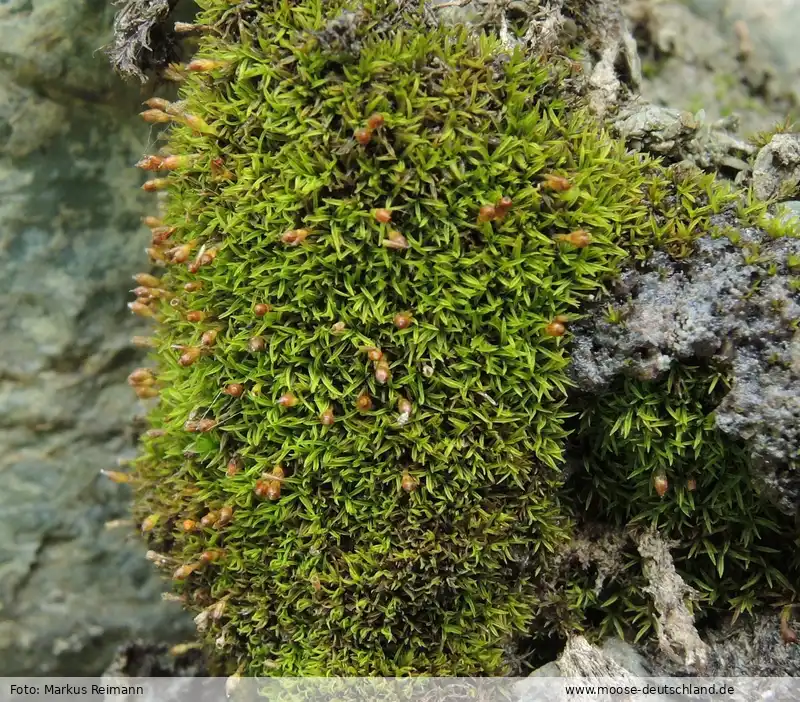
189, 356
201, 65
364, 402
375, 121
233, 467
209, 337
261, 309
295, 237
363, 136
257, 344
327, 417
287, 400
195, 316
660, 484
403, 320
150, 163
234, 389
225, 515
486, 213
384, 216
155, 116
580, 238
409, 482
556, 183
210, 519
555, 329
395, 240
155, 184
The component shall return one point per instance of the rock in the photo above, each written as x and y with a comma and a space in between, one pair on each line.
693, 58
677, 135
776, 172
707, 308
70, 590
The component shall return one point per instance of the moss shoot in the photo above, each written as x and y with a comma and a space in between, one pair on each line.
376, 235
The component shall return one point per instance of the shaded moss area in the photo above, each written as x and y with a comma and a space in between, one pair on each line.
653, 458
356, 463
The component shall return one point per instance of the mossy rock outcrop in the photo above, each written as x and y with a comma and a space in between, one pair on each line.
378, 235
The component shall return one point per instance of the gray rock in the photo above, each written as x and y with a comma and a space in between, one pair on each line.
70, 590
695, 56
708, 307
776, 172
677, 135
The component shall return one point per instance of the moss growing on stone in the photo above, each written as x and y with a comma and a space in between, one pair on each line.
377, 234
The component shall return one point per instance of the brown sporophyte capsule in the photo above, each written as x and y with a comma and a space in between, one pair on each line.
155, 184
185, 571
195, 316
384, 216
155, 116
157, 103
150, 163
486, 213
403, 320
140, 308
209, 337
234, 389
502, 207
555, 183
257, 344
660, 484
395, 240
580, 238
233, 467
382, 372
327, 417
375, 121
409, 482
295, 237
261, 309
268, 489
555, 329
287, 400
363, 136
210, 519
189, 356
225, 515
364, 402
201, 65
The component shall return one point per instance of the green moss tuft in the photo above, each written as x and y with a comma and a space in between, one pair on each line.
318, 525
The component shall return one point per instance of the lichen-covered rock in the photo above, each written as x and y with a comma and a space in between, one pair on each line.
70, 590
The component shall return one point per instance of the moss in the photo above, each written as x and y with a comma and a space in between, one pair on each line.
653, 458
342, 490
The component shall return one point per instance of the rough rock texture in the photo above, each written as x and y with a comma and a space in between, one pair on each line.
677, 636
710, 307
70, 590
750, 647
677, 135
776, 171
698, 57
